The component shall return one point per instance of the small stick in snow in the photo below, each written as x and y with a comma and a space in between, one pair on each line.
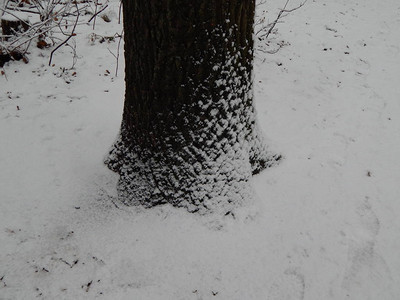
115, 204
74, 262
4, 74
88, 286
1, 279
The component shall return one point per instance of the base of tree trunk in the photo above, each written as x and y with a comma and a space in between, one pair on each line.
218, 181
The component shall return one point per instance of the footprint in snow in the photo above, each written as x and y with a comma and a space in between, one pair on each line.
364, 264
288, 286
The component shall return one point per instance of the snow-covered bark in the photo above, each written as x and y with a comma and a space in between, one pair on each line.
189, 134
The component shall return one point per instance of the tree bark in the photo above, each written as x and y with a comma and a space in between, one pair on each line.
10, 27
189, 134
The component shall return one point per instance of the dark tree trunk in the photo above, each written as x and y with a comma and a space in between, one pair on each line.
11, 27
188, 134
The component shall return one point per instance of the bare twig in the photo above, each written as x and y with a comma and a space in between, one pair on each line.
119, 12
15, 16
31, 11
67, 39
264, 32
95, 15
118, 51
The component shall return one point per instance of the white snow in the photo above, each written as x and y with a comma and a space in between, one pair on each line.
326, 222
13, 16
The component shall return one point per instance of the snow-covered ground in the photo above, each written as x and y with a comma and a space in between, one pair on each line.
326, 224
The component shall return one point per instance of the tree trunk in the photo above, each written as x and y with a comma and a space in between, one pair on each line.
188, 135
11, 26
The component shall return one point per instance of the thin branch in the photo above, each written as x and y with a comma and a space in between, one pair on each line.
94, 16
68, 38
119, 12
95, 13
22, 10
264, 32
18, 18
276, 20
118, 50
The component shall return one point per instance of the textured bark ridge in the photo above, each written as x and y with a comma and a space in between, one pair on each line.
189, 134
